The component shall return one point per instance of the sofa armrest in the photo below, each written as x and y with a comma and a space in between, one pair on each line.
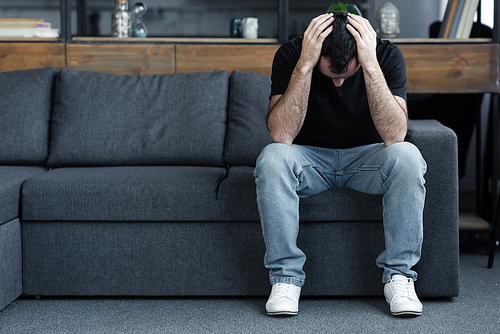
11, 262
438, 145
11, 181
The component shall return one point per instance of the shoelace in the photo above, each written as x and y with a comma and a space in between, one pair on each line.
403, 289
283, 291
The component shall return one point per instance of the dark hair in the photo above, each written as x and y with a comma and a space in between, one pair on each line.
339, 47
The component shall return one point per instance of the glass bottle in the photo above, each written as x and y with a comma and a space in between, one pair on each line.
121, 20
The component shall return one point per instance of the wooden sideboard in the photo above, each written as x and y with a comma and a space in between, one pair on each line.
431, 67
23, 56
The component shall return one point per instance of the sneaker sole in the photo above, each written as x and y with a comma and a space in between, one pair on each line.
407, 314
283, 313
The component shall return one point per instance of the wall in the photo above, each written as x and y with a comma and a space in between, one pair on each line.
212, 17
45, 9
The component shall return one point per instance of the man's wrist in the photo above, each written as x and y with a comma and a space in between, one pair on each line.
304, 68
372, 68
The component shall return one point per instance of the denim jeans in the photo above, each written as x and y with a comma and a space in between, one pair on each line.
284, 174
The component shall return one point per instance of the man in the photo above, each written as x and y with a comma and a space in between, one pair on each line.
338, 119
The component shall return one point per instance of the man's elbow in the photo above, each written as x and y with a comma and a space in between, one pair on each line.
390, 142
281, 139
394, 140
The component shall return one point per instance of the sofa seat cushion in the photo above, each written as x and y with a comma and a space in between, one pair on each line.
11, 180
115, 120
237, 192
25, 113
128, 193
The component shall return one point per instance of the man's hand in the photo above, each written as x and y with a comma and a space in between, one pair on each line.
366, 40
312, 43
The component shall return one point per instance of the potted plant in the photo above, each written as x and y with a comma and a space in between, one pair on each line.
346, 7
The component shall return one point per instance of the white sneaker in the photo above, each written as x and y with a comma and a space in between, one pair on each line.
401, 296
283, 300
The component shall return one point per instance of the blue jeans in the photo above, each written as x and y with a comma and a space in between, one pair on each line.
284, 174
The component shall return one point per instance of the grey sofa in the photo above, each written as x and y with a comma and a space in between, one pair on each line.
143, 186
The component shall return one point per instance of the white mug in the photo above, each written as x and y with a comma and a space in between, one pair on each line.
250, 27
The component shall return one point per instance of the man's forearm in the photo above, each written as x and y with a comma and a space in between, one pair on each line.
288, 111
388, 112
287, 114
389, 115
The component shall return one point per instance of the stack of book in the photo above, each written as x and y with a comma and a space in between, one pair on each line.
22, 27
458, 19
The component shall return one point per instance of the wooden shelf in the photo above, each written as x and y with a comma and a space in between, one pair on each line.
177, 40
470, 221
451, 68
440, 40
28, 39
430, 67
23, 56
222, 40
151, 58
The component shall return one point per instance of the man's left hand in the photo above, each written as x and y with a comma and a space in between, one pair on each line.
366, 40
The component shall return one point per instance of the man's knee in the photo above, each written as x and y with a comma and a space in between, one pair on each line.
407, 158
275, 154
275, 159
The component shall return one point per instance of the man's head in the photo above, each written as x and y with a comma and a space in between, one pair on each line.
338, 59
339, 47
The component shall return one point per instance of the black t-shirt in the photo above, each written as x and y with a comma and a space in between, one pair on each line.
338, 117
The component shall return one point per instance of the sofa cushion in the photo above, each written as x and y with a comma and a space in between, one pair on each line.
172, 119
25, 113
11, 180
247, 132
237, 192
126, 193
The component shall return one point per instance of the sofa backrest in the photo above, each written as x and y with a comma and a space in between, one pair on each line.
247, 132
25, 106
106, 119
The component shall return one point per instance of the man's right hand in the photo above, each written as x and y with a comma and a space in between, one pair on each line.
312, 43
